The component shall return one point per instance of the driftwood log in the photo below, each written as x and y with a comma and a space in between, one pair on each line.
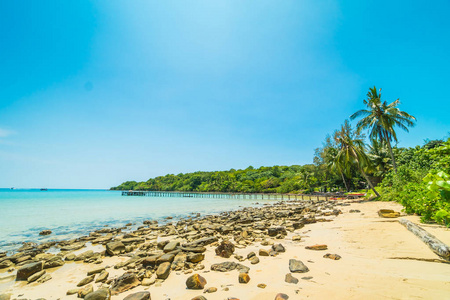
436, 245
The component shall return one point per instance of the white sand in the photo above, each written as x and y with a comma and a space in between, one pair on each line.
365, 241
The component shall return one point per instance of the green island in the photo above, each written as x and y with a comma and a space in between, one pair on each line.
348, 160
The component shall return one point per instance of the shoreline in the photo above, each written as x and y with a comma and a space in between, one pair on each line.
365, 242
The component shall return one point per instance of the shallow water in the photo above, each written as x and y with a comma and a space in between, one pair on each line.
71, 213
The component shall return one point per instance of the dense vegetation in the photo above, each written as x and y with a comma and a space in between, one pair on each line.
417, 177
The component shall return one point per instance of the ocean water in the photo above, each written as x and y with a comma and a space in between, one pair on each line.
72, 213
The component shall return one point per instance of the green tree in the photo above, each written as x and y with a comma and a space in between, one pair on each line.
351, 152
381, 118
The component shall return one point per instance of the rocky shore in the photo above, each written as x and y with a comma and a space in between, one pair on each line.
202, 257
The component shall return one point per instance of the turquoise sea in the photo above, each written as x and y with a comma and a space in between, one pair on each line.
72, 213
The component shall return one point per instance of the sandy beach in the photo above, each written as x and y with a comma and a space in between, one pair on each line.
371, 265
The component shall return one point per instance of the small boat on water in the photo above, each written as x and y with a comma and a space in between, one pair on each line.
44, 189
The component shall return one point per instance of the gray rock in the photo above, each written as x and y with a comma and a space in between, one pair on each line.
225, 249
86, 280
124, 283
195, 257
26, 271
73, 247
44, 278
35, 276
195, 282
82, 292
202, 242
163, 270
171, 246
193, 249
54, 262
102, 277
278, 248
115, 248
138, 296
168, 257
6, 264
297, 266
95, 271
290, 279
100, 294
254, 260
84, 255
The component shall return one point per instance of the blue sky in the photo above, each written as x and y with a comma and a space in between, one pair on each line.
96, 93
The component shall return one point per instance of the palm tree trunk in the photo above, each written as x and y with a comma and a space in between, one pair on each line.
369, 182
364, 174
392, 156
345, 183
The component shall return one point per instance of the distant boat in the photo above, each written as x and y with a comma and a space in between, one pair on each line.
44, 189
13, 188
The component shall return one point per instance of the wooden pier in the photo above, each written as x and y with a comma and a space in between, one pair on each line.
262, 196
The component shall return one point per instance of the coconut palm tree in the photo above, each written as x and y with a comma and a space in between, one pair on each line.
379, 155
333, 164
351, 152
381, 118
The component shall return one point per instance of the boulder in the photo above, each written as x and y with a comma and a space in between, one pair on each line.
95, 271
138, 296
225, 249
195, 282
53, 262
193, 249
281, 296
171, 246
254, 260
290, 279
100, 294
244, 278
73, 247
168, 257
6, 264
115, 248
263, 252
26, 271
82, 292
45, 232
84, 255
278, 248
224, 267
297, 266
199, 298
195, 257
35, 276
44, 278
178, 261
86, 280
102, 277
317, 247
210, 290
274, 231
332, 256
72, 291
124, 283
201, 242
163, 270
388, 213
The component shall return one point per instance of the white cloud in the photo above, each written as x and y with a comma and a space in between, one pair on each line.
5, 133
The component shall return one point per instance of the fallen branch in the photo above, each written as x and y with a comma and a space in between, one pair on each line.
423, 259
436, 245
